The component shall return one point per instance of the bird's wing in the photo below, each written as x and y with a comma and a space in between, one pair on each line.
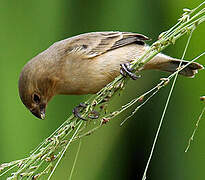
90, 45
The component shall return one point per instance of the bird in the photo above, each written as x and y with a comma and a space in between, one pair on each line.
86, 63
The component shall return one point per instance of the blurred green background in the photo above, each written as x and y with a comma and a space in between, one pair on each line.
113, 152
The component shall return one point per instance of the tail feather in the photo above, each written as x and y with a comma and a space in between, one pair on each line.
188, 71
169, 64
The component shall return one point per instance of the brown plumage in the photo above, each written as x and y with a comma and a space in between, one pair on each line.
84, 64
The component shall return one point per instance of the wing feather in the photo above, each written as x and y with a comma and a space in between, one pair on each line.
93, 44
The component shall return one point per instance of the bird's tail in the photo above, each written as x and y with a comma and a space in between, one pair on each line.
169, 64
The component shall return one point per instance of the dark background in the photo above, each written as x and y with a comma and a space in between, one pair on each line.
113, 152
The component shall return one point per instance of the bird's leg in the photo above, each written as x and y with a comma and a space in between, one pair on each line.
77, 110
127, 70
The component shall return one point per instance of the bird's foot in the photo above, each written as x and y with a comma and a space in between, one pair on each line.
94, 114
127, 70
78, 109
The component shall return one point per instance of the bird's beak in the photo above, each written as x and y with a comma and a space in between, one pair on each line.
39, 113
43, 114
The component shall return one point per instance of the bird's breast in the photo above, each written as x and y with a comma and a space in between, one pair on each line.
88, 76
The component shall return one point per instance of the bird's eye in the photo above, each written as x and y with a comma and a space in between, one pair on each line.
36, 98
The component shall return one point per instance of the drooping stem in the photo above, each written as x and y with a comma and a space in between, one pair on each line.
46, 157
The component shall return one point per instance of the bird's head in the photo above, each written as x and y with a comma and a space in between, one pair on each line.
35, 90
36, 104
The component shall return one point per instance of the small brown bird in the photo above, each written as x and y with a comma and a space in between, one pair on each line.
86, 63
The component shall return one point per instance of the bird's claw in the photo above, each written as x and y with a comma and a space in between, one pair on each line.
77, 110
127, 70
94, 114
80, 107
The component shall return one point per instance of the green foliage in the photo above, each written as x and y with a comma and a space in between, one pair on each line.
27, 26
